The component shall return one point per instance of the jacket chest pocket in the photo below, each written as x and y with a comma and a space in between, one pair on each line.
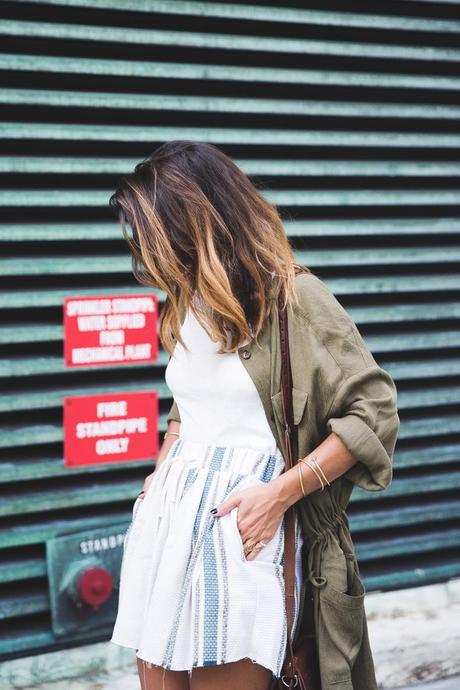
299, 403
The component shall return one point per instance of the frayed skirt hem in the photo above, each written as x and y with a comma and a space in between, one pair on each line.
149, 663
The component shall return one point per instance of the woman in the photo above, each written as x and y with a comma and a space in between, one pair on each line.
201, 586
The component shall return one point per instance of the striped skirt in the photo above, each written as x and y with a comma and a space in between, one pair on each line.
188, 597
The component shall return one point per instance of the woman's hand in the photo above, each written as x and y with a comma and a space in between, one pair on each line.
260, 511
147, 482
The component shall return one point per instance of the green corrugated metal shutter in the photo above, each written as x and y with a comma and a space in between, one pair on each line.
348, 113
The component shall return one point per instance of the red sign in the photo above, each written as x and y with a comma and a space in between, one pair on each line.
119, 329
110, 428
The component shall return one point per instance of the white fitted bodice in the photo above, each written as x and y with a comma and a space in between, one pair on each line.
216, 397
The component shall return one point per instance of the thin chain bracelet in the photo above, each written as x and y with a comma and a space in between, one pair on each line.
176, 433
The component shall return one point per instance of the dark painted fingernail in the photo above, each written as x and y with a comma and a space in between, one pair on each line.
213, 511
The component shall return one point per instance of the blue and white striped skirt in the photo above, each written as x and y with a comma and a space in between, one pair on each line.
188, 597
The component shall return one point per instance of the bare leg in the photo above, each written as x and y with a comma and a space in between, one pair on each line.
236, 674
157, 678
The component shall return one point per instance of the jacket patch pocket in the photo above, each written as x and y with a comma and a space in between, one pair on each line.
299, 401
341, 618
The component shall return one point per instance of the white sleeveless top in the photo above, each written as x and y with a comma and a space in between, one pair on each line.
216, 398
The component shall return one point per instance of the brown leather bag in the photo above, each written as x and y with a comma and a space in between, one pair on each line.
301, 665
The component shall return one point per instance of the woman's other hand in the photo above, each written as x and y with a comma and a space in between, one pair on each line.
147, 482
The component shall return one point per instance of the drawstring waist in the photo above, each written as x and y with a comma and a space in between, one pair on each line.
318, 543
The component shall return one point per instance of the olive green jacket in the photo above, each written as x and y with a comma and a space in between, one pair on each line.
337, 386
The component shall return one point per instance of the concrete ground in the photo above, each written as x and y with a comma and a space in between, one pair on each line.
414, 634
452, 683
131, 682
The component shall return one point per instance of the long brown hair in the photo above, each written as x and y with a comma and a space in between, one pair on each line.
200, 225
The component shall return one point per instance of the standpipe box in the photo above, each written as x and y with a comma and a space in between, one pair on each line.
84, 579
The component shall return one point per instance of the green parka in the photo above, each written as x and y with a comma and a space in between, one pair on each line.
337, 386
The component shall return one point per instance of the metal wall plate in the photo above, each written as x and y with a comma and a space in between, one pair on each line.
84, 577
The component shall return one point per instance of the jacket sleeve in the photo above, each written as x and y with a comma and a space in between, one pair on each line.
364, 415
173, 414
360, 398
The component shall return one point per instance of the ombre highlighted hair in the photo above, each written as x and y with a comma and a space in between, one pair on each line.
199, 226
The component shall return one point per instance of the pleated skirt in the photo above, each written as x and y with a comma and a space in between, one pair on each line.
188, 597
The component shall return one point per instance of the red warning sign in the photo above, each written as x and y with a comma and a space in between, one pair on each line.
110, 428
118, 329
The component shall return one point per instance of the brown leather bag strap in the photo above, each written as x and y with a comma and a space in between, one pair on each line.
286, 374
289, 516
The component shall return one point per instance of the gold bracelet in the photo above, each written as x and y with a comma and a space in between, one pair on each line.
315, 471
171, 432
300, 477
313, 457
